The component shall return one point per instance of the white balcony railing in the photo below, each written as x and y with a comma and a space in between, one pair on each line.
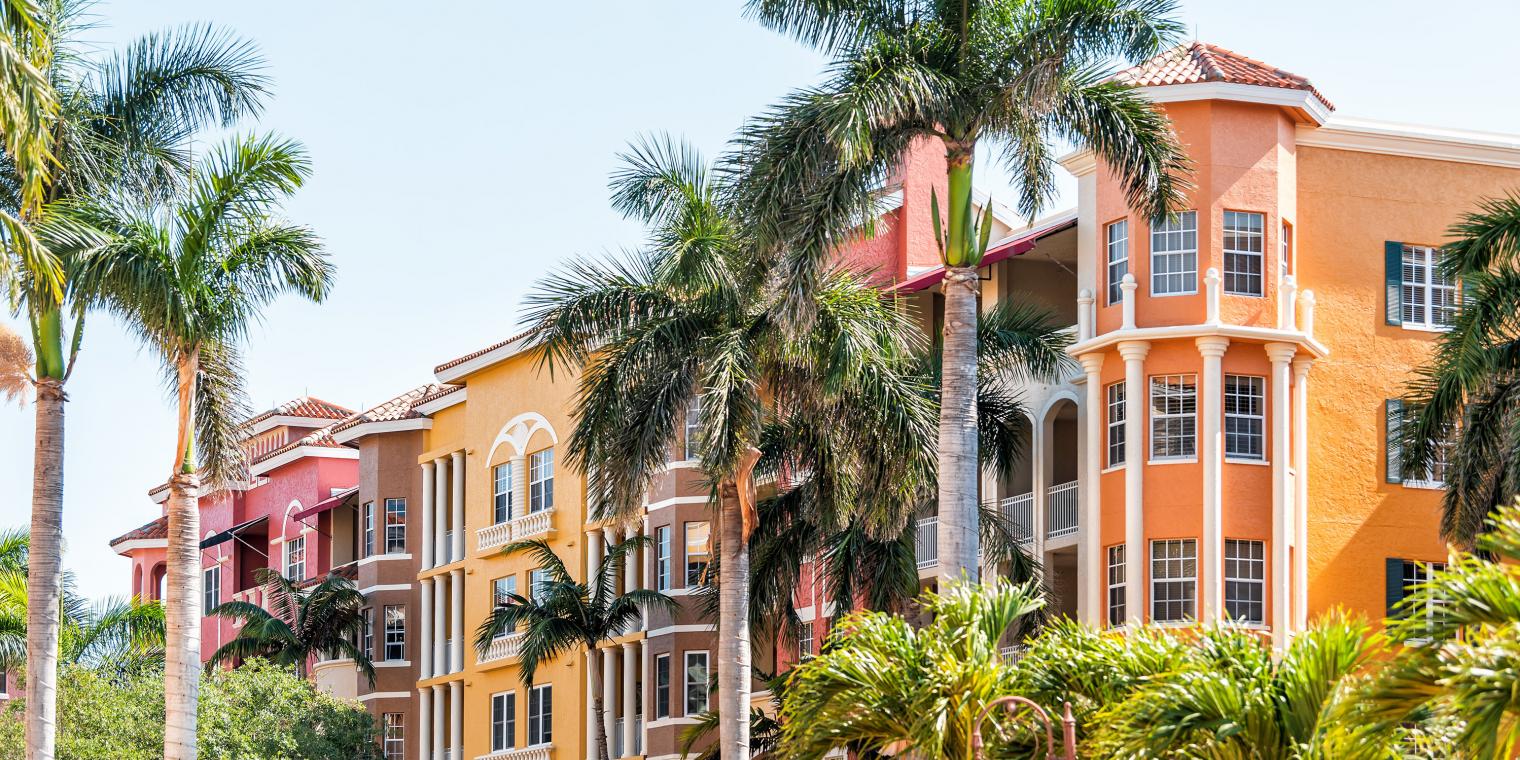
1019, 510
539, 752
1061, 510
493, 536
503, 648
1012, 654
638, 738
533, 524
926, 543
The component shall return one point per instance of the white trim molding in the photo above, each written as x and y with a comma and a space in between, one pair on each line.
380, 558
519, 431
301, 452
126, 547
1395, 139
385, 426
443, 402
1303, 102
386, 587
498, 354
384, 695
289, 420
687, 628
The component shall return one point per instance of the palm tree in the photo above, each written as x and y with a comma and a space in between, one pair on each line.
690, 320
1465, 404
297, 624
560, 615
884, 686
121, 125
1016, 73
189, 277
27, 106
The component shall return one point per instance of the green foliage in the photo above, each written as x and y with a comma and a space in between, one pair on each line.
296, 624
257, 712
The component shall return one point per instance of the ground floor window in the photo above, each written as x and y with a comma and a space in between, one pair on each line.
503, 721
1174, 580
1245, 580
393, 735
540, 715
1117, 609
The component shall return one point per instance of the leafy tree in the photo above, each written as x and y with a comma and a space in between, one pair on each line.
561, 615
297, 624
1014, 73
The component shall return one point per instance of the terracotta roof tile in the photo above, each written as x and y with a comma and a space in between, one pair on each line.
306, 406
443, 390
1198, 62
399, 408
321, 437
477, 354
157, 529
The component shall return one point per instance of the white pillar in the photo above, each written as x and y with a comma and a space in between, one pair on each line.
1212, 550
1129, 286
1084, 314
1039, 483
647, 564
424, 723
1280, 354
630, 676
591, 753
644, 685
441, 510
456, 622
1287, 306
1135, 394
440, 653
1301, 481
438, 731
1093, 568
519, 486
456, 498
456, 720
593, 553
1211, 285
609, 695
427, 515
425, 639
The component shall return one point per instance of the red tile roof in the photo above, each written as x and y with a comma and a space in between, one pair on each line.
157, 529
477, 354
1198, 62
321, 437
399, 408
443, 390
306, 406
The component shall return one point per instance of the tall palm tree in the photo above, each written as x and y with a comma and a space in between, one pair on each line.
297, 624
884, 686
561, 615
189, 277
1015, 73
122, 124
690, 320
1465, 403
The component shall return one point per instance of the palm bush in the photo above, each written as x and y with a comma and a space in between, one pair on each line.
297, 624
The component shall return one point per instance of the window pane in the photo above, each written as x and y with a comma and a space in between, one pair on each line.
1116, 419
1117, 607
697, 553
1174, 573
541, 481
1243, 249
395, 526
662, 558
501, 487
1174, 254
1174, 406
696, 683
1245, 404
1118, 259
395, 632
662, 686
1245, 580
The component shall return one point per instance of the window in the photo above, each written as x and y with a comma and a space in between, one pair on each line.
393, 735
367, 631
805, 641
502, 591
1117, 609
697, 553
541, 481
367, 518
502, 488
1433, 474
1174, 575
1174, 254
1116, 424
1245, 580
662, 686
1429, 298
1404, 576
662, 558
696, 683
1174, 407
395, 526
503, 721
1245, 417
691, 434
1244, 246
295, 558
1118, 259
1285, 251
212, 589
540, 715
395, 632
538, 581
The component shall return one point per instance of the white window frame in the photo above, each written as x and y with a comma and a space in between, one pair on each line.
1245, 580
692, 429
1116, 250
1285, 249
367, 517
662, 558
1415, 572
695, 689
1118, 589
537, 579
393, 735
541, 481
500, 589
1169, 424
503, 721
1245, 417
662, 691
1245, 246
294, 546
501, 496
1170, 573
1169, 245
805, 640
1117, 417
694, 579
367, 632
541, 721
395, 635
211, 589
395, 532
1419, 274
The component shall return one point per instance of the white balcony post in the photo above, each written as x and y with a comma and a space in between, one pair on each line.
456, 623
440, 654
424, 646
438, 731
1289, 303
644, 657
441, 510
593, 553
424, 722
1039, 445
519, 487
591, 753
647, 565
1212, 390
1090, 599
1129, 286
1280, 354
1307, 323
427, 515
1301, 479
1135, 394
456, 720
1211, 284
630, 676
609, 695
1084, 314
456, 497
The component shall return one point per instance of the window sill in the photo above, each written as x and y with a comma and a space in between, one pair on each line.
1113, 468
1245, 295
1415, 327
1193, 292
392, 664
1425, 485
1256, 462
1189, 460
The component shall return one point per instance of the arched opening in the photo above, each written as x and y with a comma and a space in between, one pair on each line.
156, 583
1061, 504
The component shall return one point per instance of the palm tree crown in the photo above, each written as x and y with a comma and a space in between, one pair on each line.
297, 624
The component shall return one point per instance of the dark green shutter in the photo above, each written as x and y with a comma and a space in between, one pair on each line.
1394, 413
1393, 281
1393, 584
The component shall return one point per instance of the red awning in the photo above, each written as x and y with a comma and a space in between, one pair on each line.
326, 504
1014, 247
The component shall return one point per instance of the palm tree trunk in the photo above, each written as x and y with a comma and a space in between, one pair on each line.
599, 714
44, 579
182, 605
733, 626
958, 475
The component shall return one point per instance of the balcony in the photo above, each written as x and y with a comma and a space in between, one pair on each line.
1061, 507
638, 738
1019, 510
539, 752
506, 647
533, 525
926, 543
493, 536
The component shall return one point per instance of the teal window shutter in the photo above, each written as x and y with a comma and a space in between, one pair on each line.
1393, 585
1393, 281
1394, 409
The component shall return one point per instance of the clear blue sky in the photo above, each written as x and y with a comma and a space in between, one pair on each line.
462, 149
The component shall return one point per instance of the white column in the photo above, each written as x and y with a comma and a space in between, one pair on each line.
519, 486
1280, 354
456, 498
609, 695
630, 682
425, 640
1212, 550
1093, 568
1085, 314
441, 510
647, 564
1039, 482
591, 753
1129, 286
424, 723
1301, 483
456, 720
456, 622
440, 653
593, 553
427, 515
1135, 393
1211, 285
1287, 304
438, 731
644, 685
